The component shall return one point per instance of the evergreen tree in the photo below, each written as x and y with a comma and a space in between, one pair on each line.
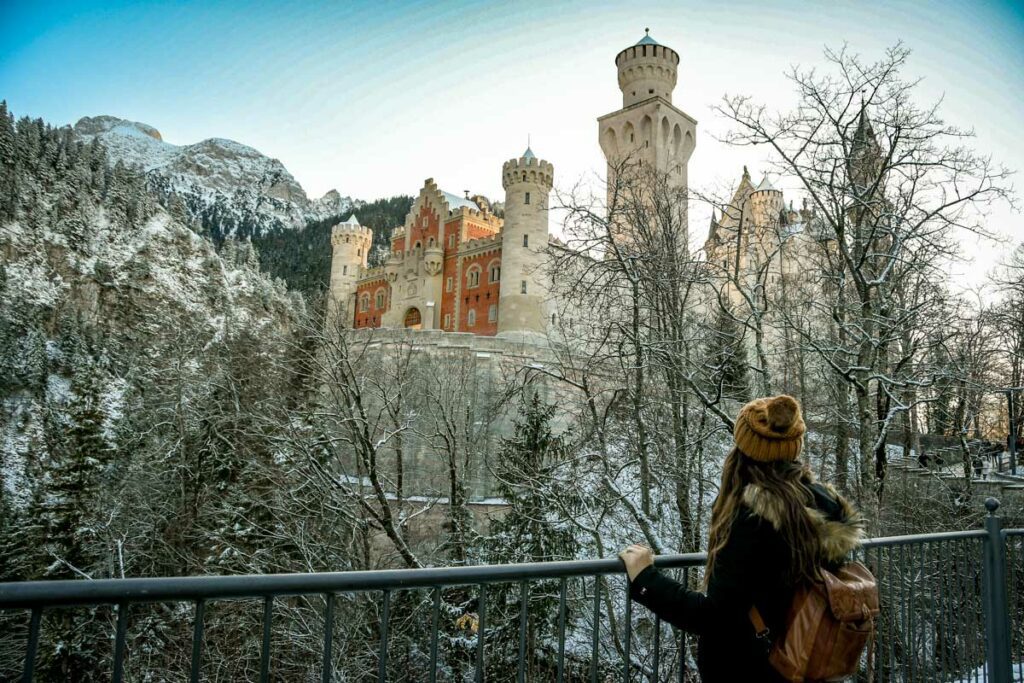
529, 532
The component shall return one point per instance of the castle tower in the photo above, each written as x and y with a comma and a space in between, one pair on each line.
522, 302
765, 206
648, 129
350, 243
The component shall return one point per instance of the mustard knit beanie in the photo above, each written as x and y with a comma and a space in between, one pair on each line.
770, 429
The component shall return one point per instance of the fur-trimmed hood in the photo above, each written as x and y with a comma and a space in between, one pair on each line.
840, 526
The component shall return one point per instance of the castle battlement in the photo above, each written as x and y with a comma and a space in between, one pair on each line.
527, 169
356, 233
481, 244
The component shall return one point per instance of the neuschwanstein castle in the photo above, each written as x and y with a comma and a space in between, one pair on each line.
456, 266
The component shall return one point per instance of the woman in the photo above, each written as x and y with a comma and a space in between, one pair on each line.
772, 527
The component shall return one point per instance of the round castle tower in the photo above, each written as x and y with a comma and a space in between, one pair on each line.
766, 205
524, 239
350, 243
646, 70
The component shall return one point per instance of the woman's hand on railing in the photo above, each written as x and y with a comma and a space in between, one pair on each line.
636, 558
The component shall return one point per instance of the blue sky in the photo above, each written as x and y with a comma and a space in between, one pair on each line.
372, 98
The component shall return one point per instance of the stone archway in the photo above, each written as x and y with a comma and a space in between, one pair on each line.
413, 320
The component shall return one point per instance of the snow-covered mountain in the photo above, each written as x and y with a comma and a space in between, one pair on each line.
232, 189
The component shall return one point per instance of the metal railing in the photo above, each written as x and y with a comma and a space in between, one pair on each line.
953, 609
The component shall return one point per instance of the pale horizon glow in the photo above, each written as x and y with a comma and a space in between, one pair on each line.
372, 101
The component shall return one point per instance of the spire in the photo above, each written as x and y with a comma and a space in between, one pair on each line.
647, 40
351, 220
765, 185
528, 154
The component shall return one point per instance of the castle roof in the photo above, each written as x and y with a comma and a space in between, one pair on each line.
765, 185
647, 40
457, 202
351, 220
528, 154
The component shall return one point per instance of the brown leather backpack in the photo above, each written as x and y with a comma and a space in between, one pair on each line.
827, 628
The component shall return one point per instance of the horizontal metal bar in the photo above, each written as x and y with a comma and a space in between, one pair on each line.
27, 594
924, 538
191, 588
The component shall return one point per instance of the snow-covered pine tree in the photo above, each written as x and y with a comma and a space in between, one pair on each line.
529, 532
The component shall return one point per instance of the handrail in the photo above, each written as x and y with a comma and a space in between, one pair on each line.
110, 591
24, 594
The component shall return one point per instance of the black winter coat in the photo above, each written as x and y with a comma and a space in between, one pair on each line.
750, 570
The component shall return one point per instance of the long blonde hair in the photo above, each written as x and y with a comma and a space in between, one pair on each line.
784, 480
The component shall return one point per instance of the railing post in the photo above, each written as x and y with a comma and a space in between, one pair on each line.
997, 627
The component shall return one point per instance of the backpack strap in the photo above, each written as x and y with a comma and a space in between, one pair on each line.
760, 628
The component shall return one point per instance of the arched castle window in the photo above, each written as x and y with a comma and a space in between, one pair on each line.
364, 302
494, 271
473, 276
380, 298
471, 318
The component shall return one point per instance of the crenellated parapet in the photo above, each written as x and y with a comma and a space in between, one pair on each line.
480, 215
355, 234
481, 245
647, 69
527, 169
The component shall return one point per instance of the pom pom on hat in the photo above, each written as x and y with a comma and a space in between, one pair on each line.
770, 429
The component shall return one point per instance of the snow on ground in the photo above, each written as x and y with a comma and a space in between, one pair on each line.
980, 674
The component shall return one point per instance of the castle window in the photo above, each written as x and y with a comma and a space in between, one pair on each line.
451, 241
364, 302
526, 240
431, 243
495, 274
527, 200
522, 287
380, 298
448, 285
346, 240
447, 320
419, 245
492, 313
651, 91
471, 318
473, 276
552, 318
359, 252
344, 270
524, 176
631, 137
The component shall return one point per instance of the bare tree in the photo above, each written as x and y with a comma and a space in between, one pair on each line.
891, 183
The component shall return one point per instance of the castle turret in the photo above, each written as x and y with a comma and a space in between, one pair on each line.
648, 131
524, 286
766, 206
351, 248
646, 70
